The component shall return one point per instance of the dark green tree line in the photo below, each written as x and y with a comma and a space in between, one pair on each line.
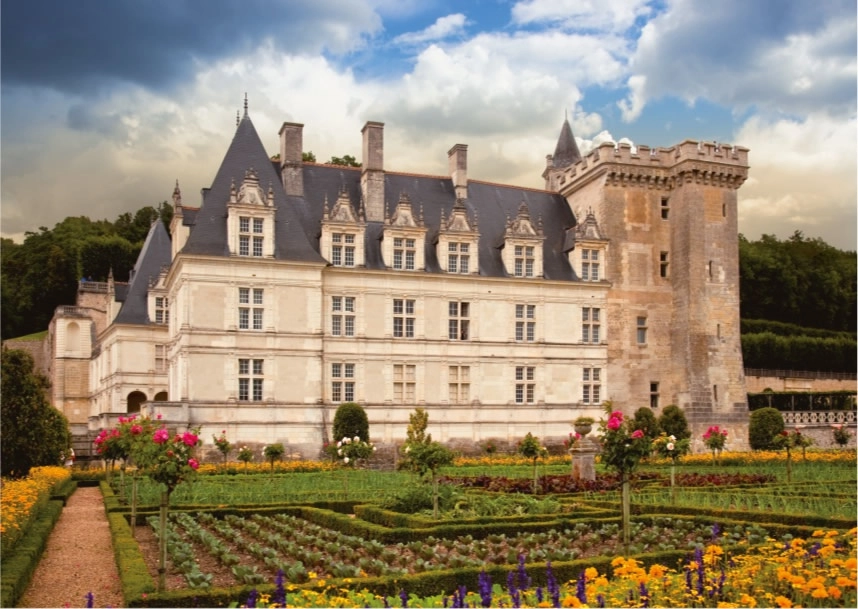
42, 273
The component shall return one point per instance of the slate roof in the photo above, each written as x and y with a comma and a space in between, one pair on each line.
154, 255
298, 219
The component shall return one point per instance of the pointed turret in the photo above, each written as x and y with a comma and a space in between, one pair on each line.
566, 153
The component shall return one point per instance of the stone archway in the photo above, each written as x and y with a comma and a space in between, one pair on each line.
134, 400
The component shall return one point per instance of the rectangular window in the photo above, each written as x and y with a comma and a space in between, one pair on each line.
663, 264
342, 382
525, 386
653, 395
244, 245
458, 258
256, 312
665, 208
590, 325
404, 251
161, 310
403, 318
257, 246
524, 261
641, 330
459, 322
243, 224
160, 358
525, 323
460, 384
590, 265
592, 388
247, 244
342, 315
342, 249
250, 379
257, 225
404, 384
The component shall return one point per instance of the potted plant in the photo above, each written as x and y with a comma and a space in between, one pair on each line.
583, 425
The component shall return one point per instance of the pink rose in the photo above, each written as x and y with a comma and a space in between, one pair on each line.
136, 430
637, 434
614, 423
193, 463
158, 416
189, 439
161, 436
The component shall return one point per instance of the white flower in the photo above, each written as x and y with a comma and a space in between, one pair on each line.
670, 446
673, 438
373, 448
407, 449
357, 439
339, 444
340, 452
345, 460
345, 440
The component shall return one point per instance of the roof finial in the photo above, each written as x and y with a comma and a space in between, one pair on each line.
237, 118
245, 103
566, 114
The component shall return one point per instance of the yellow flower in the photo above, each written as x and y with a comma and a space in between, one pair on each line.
819, 593
783, 601
570, 600
818, 533
590, 573
657, 571
747, 601
834, 592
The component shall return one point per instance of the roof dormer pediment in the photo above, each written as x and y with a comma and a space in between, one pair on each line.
250, 192
342, 212
458, 222
522, 225
589, 230
403, 215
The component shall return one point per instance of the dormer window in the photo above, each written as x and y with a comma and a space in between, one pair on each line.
458, 257
523, 261
343, 233
250, 218
343, 249
522, 253
403, 253
161, 310
404, 237
590, 264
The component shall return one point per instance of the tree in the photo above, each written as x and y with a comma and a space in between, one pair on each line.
34, 432
350, 421
307, 157
645, 420
763, 426
673, 422
345, 161
530, 448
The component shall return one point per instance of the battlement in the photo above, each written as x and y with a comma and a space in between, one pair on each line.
661, 165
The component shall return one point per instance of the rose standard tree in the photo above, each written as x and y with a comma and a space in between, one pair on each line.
167, 460
622, 451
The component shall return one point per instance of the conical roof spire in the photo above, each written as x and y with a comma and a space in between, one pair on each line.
567, 152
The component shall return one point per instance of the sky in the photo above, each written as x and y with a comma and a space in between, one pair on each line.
104, 104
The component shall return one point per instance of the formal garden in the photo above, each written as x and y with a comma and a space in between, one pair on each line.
653, 526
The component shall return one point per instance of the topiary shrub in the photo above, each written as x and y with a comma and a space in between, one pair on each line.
645, 420
763, 426
673, 422
350, 420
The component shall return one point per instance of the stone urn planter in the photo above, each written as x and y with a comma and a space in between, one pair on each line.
583, 426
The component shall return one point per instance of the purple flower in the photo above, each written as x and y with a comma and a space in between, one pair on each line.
403, 596
90, 599
523, 579
581, 588
485, 585
251, 598
644, 595
280, 591
514, 594
553, 587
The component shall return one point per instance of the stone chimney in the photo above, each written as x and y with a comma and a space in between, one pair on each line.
372, 171
458, 163
291, 160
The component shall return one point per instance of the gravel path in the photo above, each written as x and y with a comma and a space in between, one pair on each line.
78, 558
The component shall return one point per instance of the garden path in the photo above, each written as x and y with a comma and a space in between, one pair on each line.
78, 558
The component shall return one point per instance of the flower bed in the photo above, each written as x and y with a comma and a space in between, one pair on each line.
21, 499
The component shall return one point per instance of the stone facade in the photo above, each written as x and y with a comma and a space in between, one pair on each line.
500, 310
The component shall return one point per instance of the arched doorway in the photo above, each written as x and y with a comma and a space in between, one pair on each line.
135, 399
161, 396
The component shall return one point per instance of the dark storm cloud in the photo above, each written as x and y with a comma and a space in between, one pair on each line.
81, 46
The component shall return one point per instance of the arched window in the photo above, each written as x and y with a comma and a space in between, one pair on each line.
135, 399
161, 396
73, 338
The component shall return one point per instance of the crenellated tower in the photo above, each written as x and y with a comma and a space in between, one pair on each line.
673, 307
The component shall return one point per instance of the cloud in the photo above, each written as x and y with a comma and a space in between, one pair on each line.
600, 15
802, 177
85, 47
444, 27
792, 57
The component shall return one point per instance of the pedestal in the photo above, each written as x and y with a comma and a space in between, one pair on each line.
584, 461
